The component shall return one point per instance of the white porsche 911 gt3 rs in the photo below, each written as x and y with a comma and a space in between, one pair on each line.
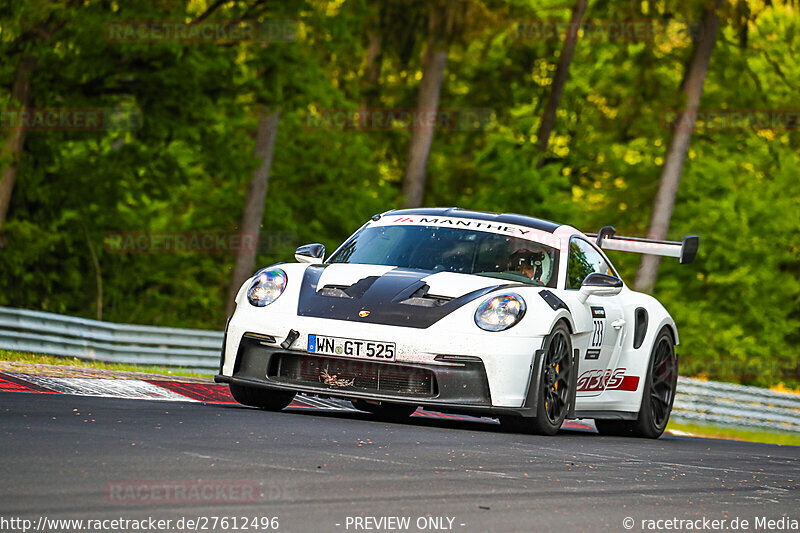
487, 314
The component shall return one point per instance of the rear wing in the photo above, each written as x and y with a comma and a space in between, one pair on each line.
686, 250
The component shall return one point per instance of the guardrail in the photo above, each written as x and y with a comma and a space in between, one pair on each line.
727, 404
50, 333
697, 401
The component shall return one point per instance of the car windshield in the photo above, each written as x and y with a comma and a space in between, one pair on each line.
453, 250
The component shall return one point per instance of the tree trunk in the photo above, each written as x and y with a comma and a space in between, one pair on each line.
422, 136
372, 71
559, 80
98, 274
11, 149
254, 204
678, 147
743, 13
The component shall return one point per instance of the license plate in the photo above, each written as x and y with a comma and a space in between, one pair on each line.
324, 345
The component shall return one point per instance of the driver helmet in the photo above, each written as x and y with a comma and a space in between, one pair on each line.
528, 262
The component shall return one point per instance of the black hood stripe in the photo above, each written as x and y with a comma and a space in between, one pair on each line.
383, 297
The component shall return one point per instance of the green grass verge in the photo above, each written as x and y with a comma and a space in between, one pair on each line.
748, 435
37, 359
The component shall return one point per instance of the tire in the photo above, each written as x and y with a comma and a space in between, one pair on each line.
268, 400
658, 394
386, 411
555, 383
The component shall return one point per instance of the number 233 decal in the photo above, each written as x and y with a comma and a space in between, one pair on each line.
599, 321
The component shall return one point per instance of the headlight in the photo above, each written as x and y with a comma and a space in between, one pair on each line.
267, 285
500, 312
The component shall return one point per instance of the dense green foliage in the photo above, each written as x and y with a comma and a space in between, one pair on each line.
183, 162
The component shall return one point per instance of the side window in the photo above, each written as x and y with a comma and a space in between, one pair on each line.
583, 260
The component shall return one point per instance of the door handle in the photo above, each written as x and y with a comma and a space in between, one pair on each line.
618, 323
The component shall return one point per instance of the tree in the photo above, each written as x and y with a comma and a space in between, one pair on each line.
679, 145
445, 22
250, 228
559, 79
373, 62
11, 149
32, 28
427, 102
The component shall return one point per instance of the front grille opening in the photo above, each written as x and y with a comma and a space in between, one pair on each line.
353, 375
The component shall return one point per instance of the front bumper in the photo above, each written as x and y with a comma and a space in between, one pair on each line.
507, 358
461, 387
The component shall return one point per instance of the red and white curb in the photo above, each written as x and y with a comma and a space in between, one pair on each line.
179, 391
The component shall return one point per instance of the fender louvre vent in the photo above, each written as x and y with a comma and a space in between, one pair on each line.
365, 375
640, 328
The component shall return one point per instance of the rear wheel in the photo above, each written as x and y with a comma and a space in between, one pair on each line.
659, 389
269, 400
657, 397
554, 387
385, 411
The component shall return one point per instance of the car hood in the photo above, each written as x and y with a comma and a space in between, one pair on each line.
387, 295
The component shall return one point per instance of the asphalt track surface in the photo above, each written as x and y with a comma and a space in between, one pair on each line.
317, 471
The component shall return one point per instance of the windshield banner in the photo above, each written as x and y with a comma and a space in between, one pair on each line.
488, 226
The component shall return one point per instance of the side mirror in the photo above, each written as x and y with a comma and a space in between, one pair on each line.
310, 253
599, 285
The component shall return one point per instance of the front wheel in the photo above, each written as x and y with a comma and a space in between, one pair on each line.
555, 382
268, 400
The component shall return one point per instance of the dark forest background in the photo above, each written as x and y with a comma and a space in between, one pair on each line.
214, 137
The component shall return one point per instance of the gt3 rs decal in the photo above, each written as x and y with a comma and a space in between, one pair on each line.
598, 380
597, 334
